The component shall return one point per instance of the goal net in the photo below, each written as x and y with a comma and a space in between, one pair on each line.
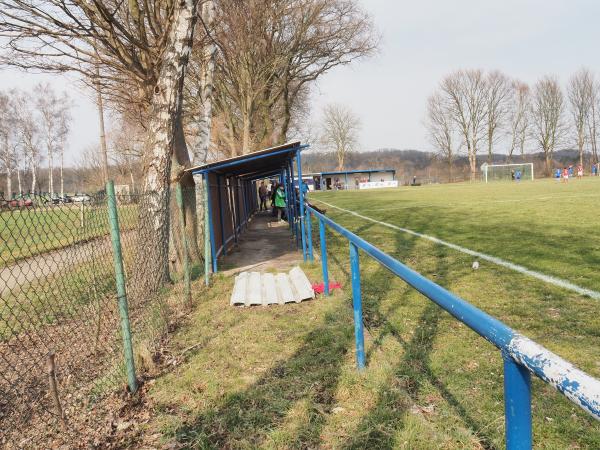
507, 172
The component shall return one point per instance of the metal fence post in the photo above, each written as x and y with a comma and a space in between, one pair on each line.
311, 256
324, 256
357, 307
120, 279
517, 405
186, 258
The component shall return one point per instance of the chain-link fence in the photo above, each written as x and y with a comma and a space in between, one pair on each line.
61, 332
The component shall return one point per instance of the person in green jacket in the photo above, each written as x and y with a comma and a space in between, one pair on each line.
280, 202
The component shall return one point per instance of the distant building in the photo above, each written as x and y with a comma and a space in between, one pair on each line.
350, 179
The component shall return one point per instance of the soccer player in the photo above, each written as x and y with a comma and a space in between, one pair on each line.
579, 171
557, 174
565, 175
518, 175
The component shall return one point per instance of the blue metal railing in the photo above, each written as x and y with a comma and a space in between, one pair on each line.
521, 355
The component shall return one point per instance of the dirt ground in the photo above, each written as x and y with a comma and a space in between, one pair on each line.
266, 245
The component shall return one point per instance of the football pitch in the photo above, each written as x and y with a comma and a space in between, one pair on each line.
538, 249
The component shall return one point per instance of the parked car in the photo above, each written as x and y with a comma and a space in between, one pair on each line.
57, 200
20, 202
81, 198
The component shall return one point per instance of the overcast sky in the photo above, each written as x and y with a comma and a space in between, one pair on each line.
421, 42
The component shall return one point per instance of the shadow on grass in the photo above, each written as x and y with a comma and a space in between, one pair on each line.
309, 377
377, 428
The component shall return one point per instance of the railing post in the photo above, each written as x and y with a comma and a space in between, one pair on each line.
219, 196
187, 284
517, 405
301, 201
324, 255
357, 307
120, 280
311, 256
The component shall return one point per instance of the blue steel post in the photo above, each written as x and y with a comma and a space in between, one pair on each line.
311, 256
301, 195
324, 255
517, 405
293, 205
221, 215
288, 198
211, 231
295, 211
357, 307
245, 211
233, 208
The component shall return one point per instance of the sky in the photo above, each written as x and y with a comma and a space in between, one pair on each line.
421, 42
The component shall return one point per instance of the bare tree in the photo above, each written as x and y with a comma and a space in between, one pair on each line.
7, 154
127, 145
593, 118
579, 92
465, 92
340, 131
497, 108
547, 115
518, 118
28, 133
54, 117
270, 52
442, 130
142, 49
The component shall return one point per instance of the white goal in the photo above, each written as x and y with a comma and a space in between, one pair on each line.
507, 172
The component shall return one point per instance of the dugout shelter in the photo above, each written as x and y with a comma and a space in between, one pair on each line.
230, 189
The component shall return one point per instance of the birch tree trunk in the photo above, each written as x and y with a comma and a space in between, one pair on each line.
8, 182
62, 166
207, 88
50, 170
33, 172
152, 265
19, 181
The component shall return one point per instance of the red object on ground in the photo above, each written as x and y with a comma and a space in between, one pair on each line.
319, 288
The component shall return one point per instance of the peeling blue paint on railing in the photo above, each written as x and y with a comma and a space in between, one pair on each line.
522, 356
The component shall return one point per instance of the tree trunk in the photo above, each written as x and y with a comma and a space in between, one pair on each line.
548, 161
62, 179
33, 175
472, 163
207, 88
8, 182
19, 181
181, 161
50, 170
152, 265
246, 117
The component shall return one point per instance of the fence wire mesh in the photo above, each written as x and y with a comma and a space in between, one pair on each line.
58, 296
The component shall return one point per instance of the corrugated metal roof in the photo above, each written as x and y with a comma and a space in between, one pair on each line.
255, 288
258, 161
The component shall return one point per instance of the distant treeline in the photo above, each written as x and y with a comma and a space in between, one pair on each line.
426, 166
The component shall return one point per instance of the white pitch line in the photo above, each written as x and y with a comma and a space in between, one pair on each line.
493, 259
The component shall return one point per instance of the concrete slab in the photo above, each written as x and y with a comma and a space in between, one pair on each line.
262, 247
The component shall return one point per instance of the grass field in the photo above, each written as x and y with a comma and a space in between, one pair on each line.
28, 232
285, 377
